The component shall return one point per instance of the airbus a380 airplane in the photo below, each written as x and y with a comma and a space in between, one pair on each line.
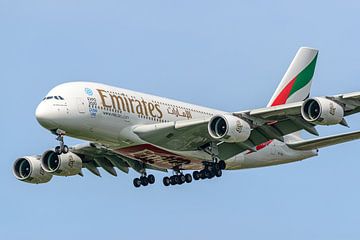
127, 129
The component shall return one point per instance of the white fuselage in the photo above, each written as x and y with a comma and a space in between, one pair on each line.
107, 115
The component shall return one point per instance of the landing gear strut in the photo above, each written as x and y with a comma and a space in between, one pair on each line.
62, 148
144, 180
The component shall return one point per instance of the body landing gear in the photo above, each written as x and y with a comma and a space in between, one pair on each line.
177, 179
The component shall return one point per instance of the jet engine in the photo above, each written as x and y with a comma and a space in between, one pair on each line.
68, 164
28, 169
229, 128
322, 111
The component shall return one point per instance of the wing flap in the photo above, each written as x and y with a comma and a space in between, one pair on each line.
353, 95
324, 141
95, 156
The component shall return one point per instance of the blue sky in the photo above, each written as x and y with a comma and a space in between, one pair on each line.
223, 54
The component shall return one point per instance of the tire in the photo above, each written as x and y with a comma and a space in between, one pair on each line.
65, 149
137, 182
212, 174
172, 180
202, 174
166, 181
182, 179
196, 175
151, 179
222, 165
58, 150
218, 173
144, 181
177, 179
207, 173
188, 178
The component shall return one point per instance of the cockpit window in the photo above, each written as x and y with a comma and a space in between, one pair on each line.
54, 97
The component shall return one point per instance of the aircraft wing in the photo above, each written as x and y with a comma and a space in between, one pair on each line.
350, 102
95, 156
188, 135
324, 141
287, 118
267, 124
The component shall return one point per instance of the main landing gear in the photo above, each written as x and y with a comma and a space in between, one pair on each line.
62, 148
210, 170
144, 180
177, 179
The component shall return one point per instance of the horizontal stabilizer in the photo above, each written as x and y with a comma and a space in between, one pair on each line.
324, 141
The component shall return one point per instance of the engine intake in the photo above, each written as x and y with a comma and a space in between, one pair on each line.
68, 164
28, 169
229, 128
322, 111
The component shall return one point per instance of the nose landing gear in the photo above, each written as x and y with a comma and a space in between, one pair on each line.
62, 148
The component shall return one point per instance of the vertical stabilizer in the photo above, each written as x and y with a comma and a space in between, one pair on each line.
296, 83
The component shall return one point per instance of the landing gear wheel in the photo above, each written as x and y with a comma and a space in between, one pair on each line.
188, 178
218, 173
207, 173
177, 179
222, 164
182, 179
172, 180
151, 179
166, 181
58, 150
212, 174
216, 167
144, 181
137, 182
65, 149
202, 174
196, 175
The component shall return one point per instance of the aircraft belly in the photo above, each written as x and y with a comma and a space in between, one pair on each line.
161, 158
274, 153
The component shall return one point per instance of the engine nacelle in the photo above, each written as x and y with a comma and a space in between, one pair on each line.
68, 164
229, 128
28, 169
322, 111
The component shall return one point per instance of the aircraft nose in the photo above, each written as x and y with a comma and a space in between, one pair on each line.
45, 116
